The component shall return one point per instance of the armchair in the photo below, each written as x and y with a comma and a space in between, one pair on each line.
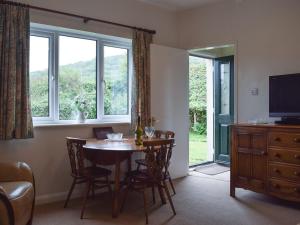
17, 194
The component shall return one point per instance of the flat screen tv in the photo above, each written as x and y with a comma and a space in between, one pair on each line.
284, 98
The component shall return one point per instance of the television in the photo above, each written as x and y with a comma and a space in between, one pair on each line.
284, 98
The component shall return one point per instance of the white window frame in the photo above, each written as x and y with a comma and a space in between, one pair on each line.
53, 34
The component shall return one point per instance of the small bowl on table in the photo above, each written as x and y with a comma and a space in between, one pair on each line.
115, 136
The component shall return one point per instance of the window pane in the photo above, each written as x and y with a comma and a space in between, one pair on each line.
116, 81
39, 70
225, 88
77, 76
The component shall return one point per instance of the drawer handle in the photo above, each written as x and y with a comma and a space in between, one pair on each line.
263, 153
277, 155
277, 186
297, 190
277, 139
297, 140
296, 173
297, 156
276, 170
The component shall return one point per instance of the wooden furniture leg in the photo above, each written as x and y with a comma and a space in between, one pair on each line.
116, 192
232, 190
129, 163
70, 192
169, 197
145, 205
162, 195
86, 195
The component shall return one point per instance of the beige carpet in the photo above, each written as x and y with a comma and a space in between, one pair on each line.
200, 200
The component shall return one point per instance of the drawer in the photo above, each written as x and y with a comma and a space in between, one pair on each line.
282, 139
285, 189
286, 156
284, 171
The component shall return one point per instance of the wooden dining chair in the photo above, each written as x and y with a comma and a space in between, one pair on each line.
142, 162
93, 176
157, 156
101, 132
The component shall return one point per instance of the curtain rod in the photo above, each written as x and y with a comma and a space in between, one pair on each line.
85, 18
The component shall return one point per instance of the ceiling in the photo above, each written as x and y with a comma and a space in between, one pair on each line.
178, 5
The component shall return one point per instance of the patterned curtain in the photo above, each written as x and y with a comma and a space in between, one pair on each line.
141, 96
15, 110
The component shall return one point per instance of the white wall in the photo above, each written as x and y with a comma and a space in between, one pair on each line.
129, 12
46, 153
266, 34
169, 100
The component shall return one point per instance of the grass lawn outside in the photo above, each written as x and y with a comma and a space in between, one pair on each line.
198, 148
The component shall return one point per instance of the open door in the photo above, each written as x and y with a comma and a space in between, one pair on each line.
223, 104
169, 100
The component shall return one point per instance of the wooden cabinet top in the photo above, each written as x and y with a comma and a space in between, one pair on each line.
268, 125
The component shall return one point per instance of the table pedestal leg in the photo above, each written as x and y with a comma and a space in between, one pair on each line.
129, 163
116, 192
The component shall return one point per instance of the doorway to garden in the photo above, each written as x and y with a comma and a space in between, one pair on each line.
211, 104
200, 110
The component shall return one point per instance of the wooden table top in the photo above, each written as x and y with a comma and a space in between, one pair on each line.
126, 145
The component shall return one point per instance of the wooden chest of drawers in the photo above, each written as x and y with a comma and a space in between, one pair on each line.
266, 159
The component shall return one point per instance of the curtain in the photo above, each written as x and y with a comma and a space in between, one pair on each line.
141, 96
15, 110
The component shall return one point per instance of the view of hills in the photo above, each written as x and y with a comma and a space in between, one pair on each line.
80, 78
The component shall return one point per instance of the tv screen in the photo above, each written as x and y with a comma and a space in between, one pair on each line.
284, 95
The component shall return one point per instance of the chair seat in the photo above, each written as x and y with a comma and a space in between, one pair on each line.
140, 178
95, 171
21, 196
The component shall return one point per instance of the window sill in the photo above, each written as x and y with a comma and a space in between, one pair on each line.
76, 124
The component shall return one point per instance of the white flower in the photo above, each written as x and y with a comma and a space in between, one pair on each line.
81, 103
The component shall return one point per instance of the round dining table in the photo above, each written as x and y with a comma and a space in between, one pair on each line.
105, 152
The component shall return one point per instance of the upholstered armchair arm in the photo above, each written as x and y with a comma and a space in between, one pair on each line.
17, 171
6, 211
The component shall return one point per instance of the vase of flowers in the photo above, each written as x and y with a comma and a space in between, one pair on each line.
81, 106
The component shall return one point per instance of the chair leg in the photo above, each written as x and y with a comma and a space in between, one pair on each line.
161, 194
145, 205
124, 199
87, 191
93, 190
169, 196
108, 186
70, 192
153, 194
172, 186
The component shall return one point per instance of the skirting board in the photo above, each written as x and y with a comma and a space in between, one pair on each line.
56, 197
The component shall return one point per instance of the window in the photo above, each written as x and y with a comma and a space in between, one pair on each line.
65, 65
116, 81
39, 76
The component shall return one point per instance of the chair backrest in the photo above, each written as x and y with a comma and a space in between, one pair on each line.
101, 132
76, 154
158, 154
164, 134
